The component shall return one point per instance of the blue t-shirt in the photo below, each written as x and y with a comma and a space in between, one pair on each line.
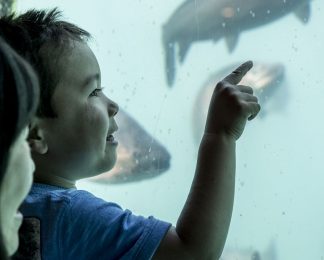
74, 224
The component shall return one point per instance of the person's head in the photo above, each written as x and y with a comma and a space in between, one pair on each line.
72, 136
18, 102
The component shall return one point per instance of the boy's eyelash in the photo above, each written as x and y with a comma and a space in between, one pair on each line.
96, 92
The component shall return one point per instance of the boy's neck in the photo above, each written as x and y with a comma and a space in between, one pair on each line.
55, 181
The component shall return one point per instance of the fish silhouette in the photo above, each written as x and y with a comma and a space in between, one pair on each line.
6, 7
139, 155
234, 253
203, 20
264, 78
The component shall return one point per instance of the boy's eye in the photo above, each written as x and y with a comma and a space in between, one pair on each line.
96, 92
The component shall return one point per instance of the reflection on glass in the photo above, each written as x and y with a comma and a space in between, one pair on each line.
278, 212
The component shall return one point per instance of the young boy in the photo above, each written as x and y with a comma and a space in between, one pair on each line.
73, 139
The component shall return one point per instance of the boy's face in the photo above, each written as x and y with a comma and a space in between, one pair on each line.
79, 140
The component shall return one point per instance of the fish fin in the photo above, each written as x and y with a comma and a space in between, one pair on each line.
169, 52
183, 50
256, 256
303, 12
231, 41
170, 63
271, 251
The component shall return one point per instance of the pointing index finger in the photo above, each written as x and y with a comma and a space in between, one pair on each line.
236, 76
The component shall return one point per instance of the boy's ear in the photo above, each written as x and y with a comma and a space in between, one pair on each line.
36, 138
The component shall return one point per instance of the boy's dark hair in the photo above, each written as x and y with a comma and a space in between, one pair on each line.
42, 38
18, 101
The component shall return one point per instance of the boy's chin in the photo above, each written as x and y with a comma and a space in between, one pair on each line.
107, 166
102, 167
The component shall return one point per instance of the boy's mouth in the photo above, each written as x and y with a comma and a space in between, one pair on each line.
110, 138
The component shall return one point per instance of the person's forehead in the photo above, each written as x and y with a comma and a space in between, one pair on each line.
79, 64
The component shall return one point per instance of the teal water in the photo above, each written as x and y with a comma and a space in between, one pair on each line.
280, 172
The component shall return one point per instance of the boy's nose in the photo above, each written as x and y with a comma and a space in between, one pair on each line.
112, 108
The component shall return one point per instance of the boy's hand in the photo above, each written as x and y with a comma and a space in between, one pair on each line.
231, 105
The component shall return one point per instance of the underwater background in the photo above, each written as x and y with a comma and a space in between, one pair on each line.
279, 201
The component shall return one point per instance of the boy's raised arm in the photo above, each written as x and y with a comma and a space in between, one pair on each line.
202, 227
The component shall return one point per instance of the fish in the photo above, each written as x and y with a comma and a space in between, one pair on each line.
234, 253
140, 156
7, 7
204, 20
265, 78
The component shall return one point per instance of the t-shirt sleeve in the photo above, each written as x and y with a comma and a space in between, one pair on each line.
92, 228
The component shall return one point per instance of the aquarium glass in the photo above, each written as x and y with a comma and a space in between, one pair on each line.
279, 196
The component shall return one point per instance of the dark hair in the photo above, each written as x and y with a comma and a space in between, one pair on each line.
18, 101
42, 38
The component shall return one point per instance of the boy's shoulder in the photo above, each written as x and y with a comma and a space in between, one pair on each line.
48, 198
45, 191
